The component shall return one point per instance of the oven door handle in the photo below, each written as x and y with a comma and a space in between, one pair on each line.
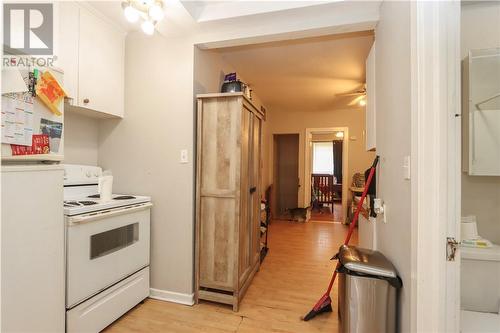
73, 220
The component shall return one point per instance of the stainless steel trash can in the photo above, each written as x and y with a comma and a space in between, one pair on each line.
368, 284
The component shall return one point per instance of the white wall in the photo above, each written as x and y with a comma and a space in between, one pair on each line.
143, 150
480, 28
393, 88
81, 139
209, 71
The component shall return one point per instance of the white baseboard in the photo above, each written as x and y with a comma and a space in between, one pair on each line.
170, 296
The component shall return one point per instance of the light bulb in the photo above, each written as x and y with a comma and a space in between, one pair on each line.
339, 134
362, 102
148, 27
156, 12
131, 14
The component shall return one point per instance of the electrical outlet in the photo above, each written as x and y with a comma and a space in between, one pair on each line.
380, 208
406, 168
184, 156
384, 216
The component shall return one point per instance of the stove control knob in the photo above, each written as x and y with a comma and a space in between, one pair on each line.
96, 174
88, 174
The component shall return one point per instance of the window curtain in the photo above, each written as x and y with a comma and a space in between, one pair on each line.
337, 160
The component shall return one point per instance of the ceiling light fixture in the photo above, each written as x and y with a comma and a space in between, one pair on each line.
148, 27
131, 14
156, 12
151, 12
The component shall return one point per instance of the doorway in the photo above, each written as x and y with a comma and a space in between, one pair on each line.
326, 182
326, 176
286, 173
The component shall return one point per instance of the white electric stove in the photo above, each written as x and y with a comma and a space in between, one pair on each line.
107, 251
81, 192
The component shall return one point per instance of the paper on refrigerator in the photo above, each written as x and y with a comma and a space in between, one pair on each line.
17, 119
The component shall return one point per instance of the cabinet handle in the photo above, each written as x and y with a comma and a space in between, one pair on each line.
86, 101
253, 189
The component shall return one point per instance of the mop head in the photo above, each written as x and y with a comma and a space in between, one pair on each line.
324, 306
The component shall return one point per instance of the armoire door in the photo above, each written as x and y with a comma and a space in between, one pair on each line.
255, 179
250, 194
219, 188
245, 239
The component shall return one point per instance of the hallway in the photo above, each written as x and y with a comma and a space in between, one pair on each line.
291, 279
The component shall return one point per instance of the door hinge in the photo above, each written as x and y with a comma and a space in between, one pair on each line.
451, 248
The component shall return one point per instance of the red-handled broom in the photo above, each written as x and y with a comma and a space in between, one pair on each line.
324, 304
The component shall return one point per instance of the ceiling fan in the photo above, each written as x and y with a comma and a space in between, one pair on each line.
359, 96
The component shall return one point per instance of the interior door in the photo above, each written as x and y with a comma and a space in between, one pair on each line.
286, 172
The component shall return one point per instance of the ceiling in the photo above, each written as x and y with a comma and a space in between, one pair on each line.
210, 10
185, 15
114, 12
298, 74
304, 74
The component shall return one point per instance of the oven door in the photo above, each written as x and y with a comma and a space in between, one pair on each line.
104, 248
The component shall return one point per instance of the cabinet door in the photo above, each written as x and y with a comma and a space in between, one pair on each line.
101, 65
245, 231
67, 46
255, 196
370, 100
483, 113
218, 191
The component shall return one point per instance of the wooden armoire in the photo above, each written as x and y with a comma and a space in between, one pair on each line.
227, 250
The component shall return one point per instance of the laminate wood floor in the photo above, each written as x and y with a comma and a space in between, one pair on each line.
325, 214
291, 279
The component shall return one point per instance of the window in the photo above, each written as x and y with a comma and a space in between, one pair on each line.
113, 240
323, 157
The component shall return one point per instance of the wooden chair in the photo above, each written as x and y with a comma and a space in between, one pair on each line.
324, 191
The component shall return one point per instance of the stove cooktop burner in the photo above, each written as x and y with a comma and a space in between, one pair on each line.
79, 203
87, 202
124, 197
120, 197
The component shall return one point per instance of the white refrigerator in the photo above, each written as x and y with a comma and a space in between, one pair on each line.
32, 231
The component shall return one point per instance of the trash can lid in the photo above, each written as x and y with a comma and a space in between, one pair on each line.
367, 262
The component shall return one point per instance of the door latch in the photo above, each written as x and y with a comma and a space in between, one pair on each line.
451, 248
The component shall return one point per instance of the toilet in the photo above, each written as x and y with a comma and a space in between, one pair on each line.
480, 289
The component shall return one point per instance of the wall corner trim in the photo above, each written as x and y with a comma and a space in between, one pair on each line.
171, 296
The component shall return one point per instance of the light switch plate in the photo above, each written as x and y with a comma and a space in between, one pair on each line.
184, 156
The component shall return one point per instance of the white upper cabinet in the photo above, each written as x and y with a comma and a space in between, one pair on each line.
481, 116
370, 100
67, 55
92, 55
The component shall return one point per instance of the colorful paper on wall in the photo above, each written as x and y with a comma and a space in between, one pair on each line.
40, 145
17, 119
50, 92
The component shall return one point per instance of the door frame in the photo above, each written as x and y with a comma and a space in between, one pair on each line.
435, 164
345, 164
